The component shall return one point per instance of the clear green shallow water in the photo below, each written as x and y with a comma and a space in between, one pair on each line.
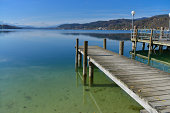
37, 75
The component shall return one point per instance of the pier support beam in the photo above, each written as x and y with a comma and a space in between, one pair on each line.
85, 61
91, 73
121, 47
77, 47
150, 47
104, 43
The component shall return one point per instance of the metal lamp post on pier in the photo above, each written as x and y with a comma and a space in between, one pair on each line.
169, 21
133, 14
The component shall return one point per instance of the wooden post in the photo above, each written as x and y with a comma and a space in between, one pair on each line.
161, 36
134, 32
133, 35
79, 59
143, 46
91, 71
121, 47
77, 47
150, 47
135, 44
104, 43
85, 61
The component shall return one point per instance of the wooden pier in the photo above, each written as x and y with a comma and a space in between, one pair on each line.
149, 86
154, 38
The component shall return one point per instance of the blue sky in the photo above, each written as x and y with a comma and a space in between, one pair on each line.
55, 12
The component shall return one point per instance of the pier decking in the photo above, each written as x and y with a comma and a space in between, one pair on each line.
149, 86
155, 42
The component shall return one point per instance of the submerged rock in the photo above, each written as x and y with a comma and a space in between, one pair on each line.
28, 97
136, 108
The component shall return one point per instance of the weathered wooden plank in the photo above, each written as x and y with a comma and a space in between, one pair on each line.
139, 76
148, 83
154, 84
147, 80
164, 109
158, 98
150, 94
160, 103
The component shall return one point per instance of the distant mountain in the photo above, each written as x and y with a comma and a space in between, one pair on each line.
121, 24
9, 27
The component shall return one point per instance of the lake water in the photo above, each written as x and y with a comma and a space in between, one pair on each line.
37, 74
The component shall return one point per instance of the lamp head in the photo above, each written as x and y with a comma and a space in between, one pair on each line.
133, 13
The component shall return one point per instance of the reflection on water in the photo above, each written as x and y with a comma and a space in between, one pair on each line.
37, 75
5, 31
117, 36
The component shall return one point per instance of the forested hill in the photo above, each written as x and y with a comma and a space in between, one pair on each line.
120, 24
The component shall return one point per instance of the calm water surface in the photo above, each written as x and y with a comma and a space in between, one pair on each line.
37, 74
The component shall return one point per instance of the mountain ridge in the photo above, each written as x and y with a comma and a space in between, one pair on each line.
121, 24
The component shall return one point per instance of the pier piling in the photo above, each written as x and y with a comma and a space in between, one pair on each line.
121, 47
85, 61
104, 43
150, 47
91, 71
77, 53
